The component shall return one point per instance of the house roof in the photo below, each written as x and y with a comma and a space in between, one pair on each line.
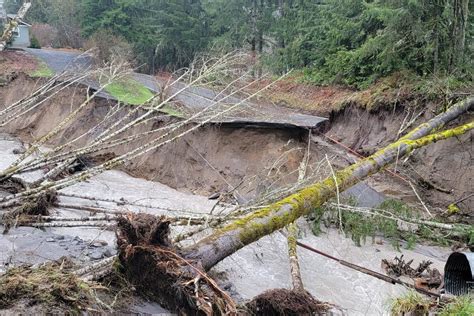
20, 21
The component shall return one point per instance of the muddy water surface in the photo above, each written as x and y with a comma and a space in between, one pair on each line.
258, 267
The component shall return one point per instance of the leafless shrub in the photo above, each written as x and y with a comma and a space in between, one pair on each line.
109, 46
45, 33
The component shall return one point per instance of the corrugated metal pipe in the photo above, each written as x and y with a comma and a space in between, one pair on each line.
459, 273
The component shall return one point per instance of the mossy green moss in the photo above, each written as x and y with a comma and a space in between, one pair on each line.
453, 209
42, 71
276, 216
129, 91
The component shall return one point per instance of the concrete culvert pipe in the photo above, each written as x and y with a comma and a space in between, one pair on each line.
459, 273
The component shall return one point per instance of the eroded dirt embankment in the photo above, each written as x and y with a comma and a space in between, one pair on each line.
216, 159
212, 159
442, 172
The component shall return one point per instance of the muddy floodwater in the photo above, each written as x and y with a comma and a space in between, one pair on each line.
252, 270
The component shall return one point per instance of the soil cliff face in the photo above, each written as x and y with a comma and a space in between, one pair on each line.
209, 160
217, 158
442, 172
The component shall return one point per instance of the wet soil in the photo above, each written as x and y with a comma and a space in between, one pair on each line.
441, 172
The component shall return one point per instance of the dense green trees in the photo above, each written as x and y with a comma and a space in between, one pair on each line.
333, 41
165, 34
12, 5
354, 41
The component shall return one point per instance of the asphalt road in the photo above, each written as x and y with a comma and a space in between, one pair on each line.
61, 60
193, 98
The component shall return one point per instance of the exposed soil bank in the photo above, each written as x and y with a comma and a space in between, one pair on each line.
218, 158
442, 172
209, 160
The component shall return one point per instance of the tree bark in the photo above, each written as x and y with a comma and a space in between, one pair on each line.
293, 256
223, 243
10, 27
459, 28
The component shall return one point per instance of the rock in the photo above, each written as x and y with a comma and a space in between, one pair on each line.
76, 241
4, 81
96, 255
59, 237
50, 240
99, 243
215, 196
19, 151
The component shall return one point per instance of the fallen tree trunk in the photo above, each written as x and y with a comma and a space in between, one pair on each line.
267, 220
296, 279
154, 265
441, 120
11, 26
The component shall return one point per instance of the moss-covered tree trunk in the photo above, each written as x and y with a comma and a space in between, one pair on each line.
267, 220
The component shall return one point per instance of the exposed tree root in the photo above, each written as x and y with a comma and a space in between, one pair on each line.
13, 185
286, 302
398, 267
157, 269
31, 207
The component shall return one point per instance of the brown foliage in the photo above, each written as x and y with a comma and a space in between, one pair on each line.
109, 46
52, 285
45, 34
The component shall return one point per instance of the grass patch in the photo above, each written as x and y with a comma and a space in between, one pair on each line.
411, 302
54, 289
462, 306
42, 71
129, 91
52, 285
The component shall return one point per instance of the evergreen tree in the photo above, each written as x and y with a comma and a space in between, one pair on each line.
165, 34
352, 42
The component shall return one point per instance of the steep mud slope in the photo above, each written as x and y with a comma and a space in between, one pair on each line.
442, 172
